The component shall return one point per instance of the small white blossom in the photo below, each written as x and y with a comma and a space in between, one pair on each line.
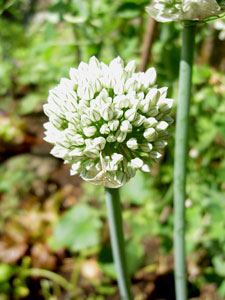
130, 114
75, 168
147, 147
89, 131
94, 115
150, 122
104, 129
132, 144
126, 126
99, 143
182, 10
136, 163
150, 134
121, 136
107, 112
111, 138
161, 126
108, 121
146, 168
160, 144
155, 154
220, 25
113, 125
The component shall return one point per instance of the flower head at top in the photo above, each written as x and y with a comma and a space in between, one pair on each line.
107, 122
184, 10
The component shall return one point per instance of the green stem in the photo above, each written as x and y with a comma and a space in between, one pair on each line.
36, 272
117, 241
181, 141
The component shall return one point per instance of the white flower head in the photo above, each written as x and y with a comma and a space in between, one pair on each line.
107, 122
184, 10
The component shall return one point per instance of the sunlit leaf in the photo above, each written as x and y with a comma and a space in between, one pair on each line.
78, 229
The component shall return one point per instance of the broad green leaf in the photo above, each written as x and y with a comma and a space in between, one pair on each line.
77, 229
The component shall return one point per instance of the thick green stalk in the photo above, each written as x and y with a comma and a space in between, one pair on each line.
181, 139
117, 241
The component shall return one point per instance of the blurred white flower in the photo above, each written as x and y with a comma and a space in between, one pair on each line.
108, 121
220, 25
181, 10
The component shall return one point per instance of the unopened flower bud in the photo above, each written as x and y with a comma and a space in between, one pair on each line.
146, 168
90, 131
75, 168
155, 154
117, 158
118, 113
165, 105
126, 126
136, 163
139, 120
59, 152
99, 143
77, 152
104, 129
150, 122
132, 143
120, 136
151, 74
160, 144
150, 134
161, 126
95, 115
107, 113
130, 114
85, 121
78, 140
147, 147
113, 125
153, 96
130, 67
111, 138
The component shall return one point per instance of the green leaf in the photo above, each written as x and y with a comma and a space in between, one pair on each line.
109, 269
134, 254
6, 272
78, 229
221, 289
136, 190
219, 264
29, 103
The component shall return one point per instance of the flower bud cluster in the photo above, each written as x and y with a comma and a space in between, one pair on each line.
107, 122
183, 10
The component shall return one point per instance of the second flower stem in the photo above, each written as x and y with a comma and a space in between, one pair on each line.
181, 141
117, 241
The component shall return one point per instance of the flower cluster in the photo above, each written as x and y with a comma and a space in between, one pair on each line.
108, 121
181, 10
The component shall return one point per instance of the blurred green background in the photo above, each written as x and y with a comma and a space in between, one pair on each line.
54, 237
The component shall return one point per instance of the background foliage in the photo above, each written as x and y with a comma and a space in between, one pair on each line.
54, 239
